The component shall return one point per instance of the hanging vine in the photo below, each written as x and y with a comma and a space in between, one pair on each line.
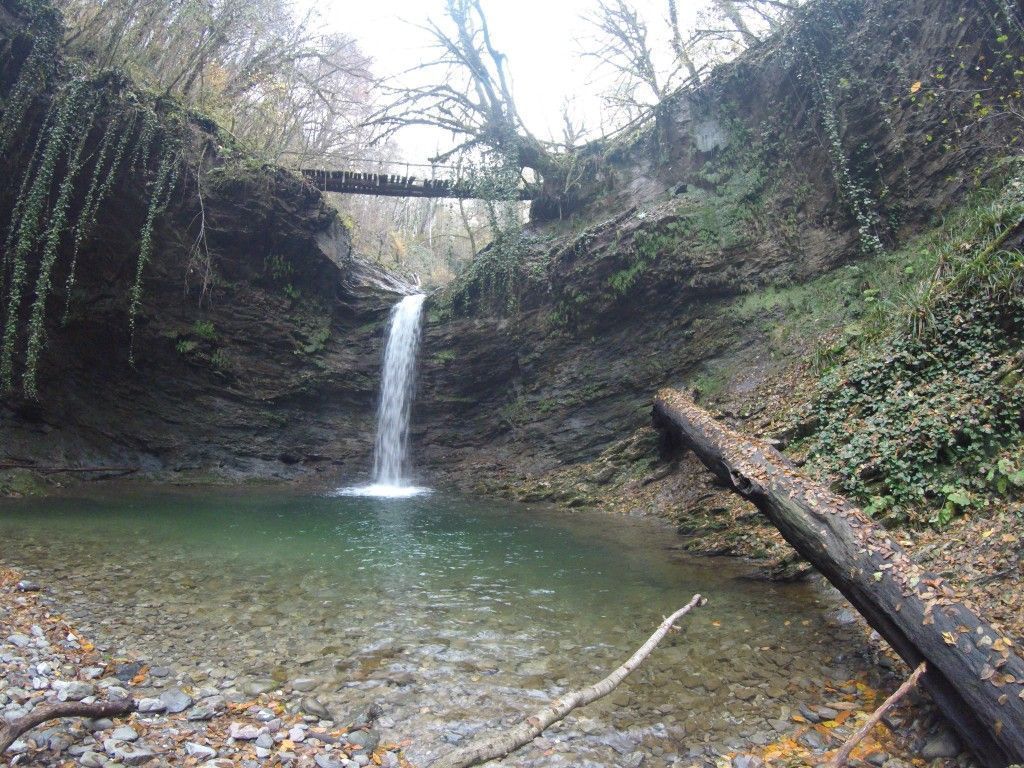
56, 229
33, 78
97, 193
166, 178
31, 221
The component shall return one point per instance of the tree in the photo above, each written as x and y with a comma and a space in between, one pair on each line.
644, 72
268, 76
465, 90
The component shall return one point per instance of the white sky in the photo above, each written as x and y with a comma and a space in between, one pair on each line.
540, 37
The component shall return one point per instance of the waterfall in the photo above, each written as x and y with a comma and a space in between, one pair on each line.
390, 454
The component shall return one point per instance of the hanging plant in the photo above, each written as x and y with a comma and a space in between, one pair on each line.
98, 191
56, 229
165, 179
30, 224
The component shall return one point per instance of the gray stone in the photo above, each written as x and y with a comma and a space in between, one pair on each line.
256, 687
262, 753
366, 740
942, 744
91, 759
747, 761
128, 754
304, 684
151, 705
74, 690
18, 747
125, 672
201, 713
297, 734
175, 700
243, 732
327, 761
28, 586
265, 740
200, 751
809, 714
311, 705
812, 740
125, 733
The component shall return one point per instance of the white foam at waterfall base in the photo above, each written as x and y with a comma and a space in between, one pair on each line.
391, 449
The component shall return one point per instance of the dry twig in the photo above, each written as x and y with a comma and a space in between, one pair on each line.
502, 744
844, 753
12, 729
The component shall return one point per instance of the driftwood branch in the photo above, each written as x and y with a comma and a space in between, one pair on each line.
503, 744
975, 675
844, 753
12, 729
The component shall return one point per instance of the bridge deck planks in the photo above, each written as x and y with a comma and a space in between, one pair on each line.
391, 185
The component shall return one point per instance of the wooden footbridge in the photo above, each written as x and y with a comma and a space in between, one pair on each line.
380, 183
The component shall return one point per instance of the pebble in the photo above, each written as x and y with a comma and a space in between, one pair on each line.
74, 691
200, 751
243, 732
366, 740
151, 705
125, 733
265, 740
304, 684
311, 705
126, 753
19, 640
327, 761
175, 700
91, 759
257, 687
942, 744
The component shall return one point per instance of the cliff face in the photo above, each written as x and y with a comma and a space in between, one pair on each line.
257, 338
823, 147
258, 332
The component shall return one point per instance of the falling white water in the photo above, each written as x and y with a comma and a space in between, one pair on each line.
390, 455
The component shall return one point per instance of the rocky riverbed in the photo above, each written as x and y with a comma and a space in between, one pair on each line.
44, 659
265, 622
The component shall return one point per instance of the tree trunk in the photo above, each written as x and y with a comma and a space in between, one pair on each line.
974, 675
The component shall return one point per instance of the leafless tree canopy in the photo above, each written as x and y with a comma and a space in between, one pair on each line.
464, 89
266, 74
644, 67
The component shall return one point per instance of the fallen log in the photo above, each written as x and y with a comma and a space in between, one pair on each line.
10, 730
505, 743
973, 673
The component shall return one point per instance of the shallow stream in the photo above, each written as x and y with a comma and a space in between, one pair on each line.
453, 614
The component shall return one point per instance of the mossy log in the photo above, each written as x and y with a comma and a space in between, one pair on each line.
974, 674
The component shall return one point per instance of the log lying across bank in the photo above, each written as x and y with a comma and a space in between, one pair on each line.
974, 673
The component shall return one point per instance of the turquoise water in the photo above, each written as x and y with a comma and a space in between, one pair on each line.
445, 610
